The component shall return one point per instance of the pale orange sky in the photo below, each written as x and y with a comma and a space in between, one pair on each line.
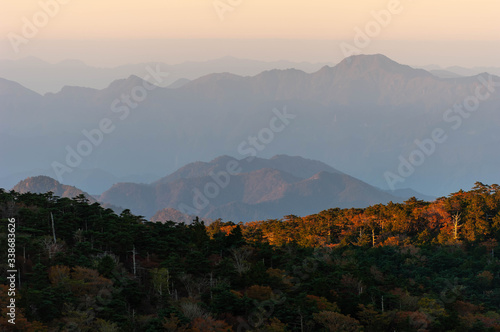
419, 20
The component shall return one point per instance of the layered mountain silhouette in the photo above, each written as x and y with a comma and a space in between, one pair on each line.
261, 189
255, 189
361, 116
46, 77
357, 80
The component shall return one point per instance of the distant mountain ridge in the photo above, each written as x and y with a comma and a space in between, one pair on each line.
45, 77
43, 184
263, 189
296, 166
92, 181
378, 79
362, 116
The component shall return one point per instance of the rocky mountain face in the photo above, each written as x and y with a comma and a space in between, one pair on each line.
258, 189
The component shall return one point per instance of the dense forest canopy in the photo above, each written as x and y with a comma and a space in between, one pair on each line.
412, 266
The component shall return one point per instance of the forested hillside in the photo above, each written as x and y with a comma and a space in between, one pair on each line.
413, 266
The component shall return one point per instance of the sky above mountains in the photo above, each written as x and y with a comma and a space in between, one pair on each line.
447, 32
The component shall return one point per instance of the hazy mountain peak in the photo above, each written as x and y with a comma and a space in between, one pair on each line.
133, 79
46, 180
217, 77
289, 158
376, 62
127, 83
43, 184
301, 166
283, 74
70, 90
368, 60
222, 159
326, 69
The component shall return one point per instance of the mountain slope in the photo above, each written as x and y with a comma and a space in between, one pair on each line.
44, 184
256, 192
296, 166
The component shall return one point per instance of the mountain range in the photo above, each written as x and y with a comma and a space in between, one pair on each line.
44, 77
362, 116
231, 189
262, 189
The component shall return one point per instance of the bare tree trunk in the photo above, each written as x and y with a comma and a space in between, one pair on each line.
301, 321
456, 220
211, 284
53, 228
133, 259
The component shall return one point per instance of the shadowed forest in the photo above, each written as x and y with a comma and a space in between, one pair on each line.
412, 266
